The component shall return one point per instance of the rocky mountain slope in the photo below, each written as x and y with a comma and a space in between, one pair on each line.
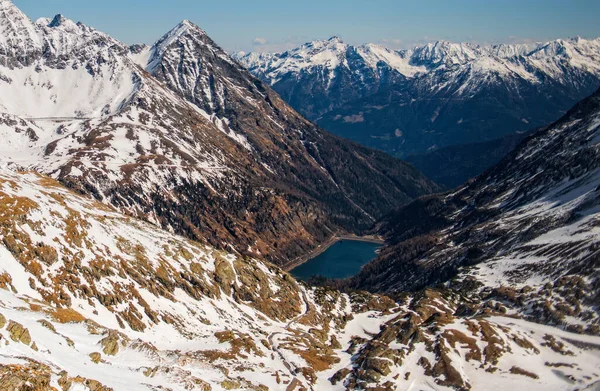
182, 136
525, 233
93, 300
430, 97
99, 291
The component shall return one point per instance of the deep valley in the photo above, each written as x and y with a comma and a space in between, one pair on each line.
174, 218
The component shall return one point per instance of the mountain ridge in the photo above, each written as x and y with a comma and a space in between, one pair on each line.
180, 135
143, 192
437, 95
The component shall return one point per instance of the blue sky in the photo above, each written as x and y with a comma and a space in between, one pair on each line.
268, 25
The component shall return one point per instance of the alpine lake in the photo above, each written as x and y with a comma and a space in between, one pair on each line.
343, 259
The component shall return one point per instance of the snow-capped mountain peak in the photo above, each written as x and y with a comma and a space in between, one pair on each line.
332, 86
183, 28
181, 33
60, 20
328, 53
445, 53
19, 38
48, 63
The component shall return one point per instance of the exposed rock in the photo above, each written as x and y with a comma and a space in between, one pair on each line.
340, 376
18, 333
96, 357
32, 377
231, 384
113, 342
520, 371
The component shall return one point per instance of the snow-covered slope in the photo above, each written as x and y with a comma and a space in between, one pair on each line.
70, 70
93, 300
20, 42
181, 135
440, 94
106, 298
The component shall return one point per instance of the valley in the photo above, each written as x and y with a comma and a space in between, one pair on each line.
163, 209
180, 135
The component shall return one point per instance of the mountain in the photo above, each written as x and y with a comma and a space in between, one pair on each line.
321, 76
132, 179
525, 233
410, 102
93, 300
453, 166
180, 135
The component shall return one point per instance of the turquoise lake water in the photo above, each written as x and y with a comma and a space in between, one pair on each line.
343, 259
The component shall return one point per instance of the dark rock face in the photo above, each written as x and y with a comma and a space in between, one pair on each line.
453, 166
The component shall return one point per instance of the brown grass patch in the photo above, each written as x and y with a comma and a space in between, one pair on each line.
454, 337
316, 361
522, 372
6, 281
67, 315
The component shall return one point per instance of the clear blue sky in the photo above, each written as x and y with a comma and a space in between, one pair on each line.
267, 25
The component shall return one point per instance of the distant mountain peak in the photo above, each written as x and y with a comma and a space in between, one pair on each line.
18, 35
333, 42
445, 52
185, 26
182, 29
60, 21
57, 21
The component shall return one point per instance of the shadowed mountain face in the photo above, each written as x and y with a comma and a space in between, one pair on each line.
453, 166
415, 101
181, 135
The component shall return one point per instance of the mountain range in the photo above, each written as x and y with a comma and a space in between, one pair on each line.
180, 135
146, 193
443, 94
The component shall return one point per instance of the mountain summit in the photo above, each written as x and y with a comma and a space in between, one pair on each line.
180, 135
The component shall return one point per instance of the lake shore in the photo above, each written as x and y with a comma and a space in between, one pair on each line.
325, 246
